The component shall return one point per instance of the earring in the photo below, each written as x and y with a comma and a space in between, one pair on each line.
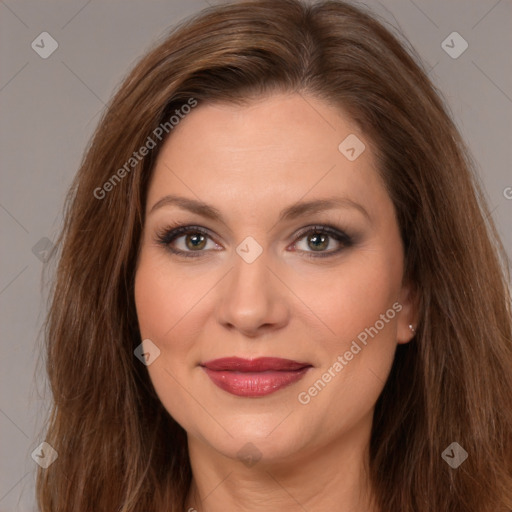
412, 328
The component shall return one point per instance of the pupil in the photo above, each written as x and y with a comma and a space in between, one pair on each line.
196, 241
319, 240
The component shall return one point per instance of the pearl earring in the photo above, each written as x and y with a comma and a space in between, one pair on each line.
412, 328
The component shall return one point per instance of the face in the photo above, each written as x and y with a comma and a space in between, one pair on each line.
291, 250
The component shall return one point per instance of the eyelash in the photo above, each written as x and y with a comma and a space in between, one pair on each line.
169, 234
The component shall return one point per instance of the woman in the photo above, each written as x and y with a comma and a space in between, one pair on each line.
280, 287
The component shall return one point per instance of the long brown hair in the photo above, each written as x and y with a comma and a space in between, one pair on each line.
119, 449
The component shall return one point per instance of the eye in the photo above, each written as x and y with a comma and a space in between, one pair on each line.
192, 241
322, 241
189, 241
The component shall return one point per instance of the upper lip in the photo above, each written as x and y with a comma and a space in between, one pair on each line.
260, 364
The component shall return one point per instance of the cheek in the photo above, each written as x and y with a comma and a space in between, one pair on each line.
353, 295
156, 304
162, 316
165, 297
356, 303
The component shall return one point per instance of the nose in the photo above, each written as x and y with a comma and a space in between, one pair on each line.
252, 299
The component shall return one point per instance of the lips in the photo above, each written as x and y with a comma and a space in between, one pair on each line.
254, 377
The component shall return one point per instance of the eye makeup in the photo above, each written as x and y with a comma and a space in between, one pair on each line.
168, 235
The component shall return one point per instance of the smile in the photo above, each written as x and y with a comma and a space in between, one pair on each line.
256, 377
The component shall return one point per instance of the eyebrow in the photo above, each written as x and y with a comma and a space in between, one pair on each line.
291, 212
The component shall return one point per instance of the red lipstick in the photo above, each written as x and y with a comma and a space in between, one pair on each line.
254, 377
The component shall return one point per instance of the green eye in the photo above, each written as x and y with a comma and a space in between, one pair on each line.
319, 240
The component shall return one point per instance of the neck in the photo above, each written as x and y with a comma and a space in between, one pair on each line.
330, 477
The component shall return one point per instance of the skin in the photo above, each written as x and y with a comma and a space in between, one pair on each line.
250, 162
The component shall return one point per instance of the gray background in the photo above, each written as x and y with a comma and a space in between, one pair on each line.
50, 107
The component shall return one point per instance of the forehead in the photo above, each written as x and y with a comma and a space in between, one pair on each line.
274, 150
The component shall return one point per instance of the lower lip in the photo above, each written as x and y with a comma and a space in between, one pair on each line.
254, 384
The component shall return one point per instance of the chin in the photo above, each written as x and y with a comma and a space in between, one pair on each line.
255, 439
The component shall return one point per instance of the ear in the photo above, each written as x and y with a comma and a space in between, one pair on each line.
408, 315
